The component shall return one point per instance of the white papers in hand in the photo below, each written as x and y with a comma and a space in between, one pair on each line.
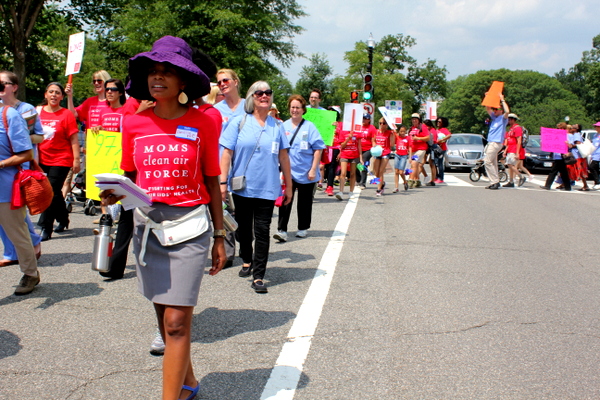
135, 196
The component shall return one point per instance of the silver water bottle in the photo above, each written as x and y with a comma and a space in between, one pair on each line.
103, 244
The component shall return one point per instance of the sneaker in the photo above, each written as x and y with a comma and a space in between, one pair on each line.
27, 284
411, 183
259, 286
319, 186
521, 180
378, 193
509, 185
418, 184
495, 186
157, 347
405, 186
302, 233
339, 196
439, 181
281, 236
530, 178
395, 190
430, 184
245, 271
329, 190
336, 183
362, 186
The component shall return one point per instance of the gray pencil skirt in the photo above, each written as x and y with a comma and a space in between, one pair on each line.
172, 274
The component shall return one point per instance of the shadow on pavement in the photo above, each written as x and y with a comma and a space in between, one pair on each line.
243, 385
10, 344
213, 325
59, 260
55, 293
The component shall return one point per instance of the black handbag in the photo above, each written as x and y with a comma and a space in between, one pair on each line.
569, 158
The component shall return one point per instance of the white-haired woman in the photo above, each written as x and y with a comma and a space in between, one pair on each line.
255, 146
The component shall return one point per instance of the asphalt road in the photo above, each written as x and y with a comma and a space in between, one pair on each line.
446, 292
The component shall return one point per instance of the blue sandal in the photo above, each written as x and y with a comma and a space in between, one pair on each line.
193, 390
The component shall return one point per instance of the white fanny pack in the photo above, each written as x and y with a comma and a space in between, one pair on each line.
169, 233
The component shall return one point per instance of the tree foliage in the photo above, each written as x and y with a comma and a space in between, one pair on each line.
583, 79
316, 75
538, 99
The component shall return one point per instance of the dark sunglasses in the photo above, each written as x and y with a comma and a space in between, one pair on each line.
259, 93
7, 83
112, 89
224, 80
97, 81
383, 122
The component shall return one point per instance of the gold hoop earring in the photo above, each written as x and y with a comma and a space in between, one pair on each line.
183, 99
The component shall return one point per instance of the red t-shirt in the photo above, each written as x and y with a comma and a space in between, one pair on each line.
366, 135
443, 131
90, 111
512, 137
57, 151
403, 144
214, 114
423, 132
111, 119
383, 139
171, 156
338, 138
349, 152
131, 106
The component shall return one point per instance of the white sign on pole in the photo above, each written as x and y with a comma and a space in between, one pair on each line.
75, 53
431, 110
394, 108
353, 113
369, 107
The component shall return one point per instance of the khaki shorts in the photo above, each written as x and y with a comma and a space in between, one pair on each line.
421, 155
511, 158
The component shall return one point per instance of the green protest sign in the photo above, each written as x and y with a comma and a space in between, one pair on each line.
324, 120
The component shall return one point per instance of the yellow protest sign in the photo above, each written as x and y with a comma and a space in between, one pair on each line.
103, 155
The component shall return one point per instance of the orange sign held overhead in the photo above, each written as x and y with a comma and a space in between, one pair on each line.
492, 98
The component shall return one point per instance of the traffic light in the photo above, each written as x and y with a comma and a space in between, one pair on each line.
368, 87
354, 96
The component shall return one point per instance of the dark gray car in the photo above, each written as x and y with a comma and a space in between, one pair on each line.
464, 149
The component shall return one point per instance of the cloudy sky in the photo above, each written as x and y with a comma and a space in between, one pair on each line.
464, 35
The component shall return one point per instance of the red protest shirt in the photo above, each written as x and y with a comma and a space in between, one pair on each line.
338, 138
131, 106
383, 139
111, 119
403, 144
443, 131
366, 134
90, 111
422, 132
171, 156
215, 115
350, 152
57, 150
512, 136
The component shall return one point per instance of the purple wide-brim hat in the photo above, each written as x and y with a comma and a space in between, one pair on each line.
172, 50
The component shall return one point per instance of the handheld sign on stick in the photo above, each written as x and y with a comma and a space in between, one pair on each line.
492, 98
75, 54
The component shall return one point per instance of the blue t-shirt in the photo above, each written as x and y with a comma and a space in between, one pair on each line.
572, 138
596, 153
497, 128
302, 150
19, 141
262, 174
229, 114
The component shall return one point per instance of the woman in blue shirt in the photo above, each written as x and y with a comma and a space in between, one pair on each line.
16, 149
255, 147
306, 146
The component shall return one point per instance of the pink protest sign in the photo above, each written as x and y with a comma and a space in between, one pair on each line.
554, 140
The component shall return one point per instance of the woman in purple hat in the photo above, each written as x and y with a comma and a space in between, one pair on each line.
172, 153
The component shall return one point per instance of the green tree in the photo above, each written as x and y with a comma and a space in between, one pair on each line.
282, 90
316, 75
583, 79
244, 35
537, 98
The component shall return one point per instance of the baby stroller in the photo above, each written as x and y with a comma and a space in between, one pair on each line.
77, 193
479, 169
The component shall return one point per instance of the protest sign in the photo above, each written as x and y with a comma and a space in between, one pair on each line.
431, 110
554, 140
324, 120
103, 155
353, 114
492, 98
384, 112
75, 53
394, 108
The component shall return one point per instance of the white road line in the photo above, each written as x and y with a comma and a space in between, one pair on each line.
287, 371
452, 180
